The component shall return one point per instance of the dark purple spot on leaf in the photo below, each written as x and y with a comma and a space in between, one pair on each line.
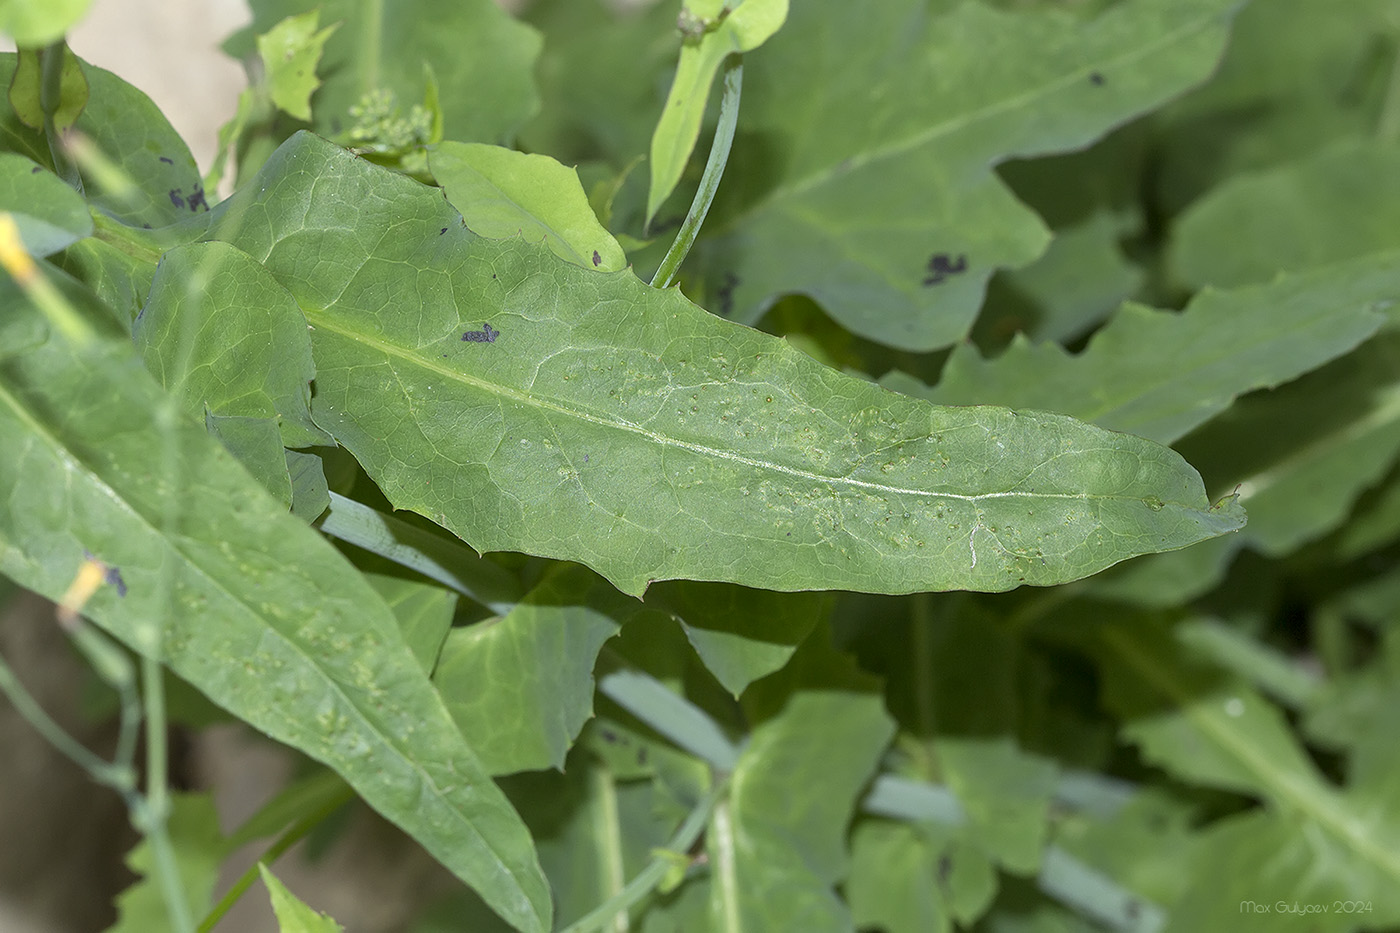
36, 170
442, 231
585, 458
1096, 79
487, 334
196, 199
945, 868
942, 265
607, 735
642, 755
176, 197
114, 577
597, 260
167, 160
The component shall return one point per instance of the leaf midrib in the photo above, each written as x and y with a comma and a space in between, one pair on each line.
81, 467
848, 164
323, 319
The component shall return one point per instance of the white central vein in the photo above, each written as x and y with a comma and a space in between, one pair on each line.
320, 319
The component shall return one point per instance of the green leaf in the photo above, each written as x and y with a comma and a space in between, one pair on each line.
915, 879
50, 215
290, 51
257, 444
628, 430
310, 494
1330, 207
424, 612
716, 31
502, 193
130, 130
869, 183
778, 844
740, 634
198, 847
1298, 76
239, 597
293, 916
1314, 844
220, 334
482, 59
39, 22
1159, 374
26, 94
521, 687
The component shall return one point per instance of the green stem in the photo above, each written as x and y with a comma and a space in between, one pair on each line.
291, 837
714, 170
154, 813
51, 60
648, 878
120, 779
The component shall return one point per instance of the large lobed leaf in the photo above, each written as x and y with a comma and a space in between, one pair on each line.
528, 404
241, 598
869, 133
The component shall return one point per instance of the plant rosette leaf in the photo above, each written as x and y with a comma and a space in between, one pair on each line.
527, 404
868, 138
241, 598
711, 31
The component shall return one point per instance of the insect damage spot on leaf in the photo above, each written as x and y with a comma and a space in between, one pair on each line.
167, 160
36, 170
442, 231
487, 334
597, 260
1096, 79
942, 265
177, 197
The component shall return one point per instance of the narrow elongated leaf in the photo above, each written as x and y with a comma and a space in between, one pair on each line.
1334, 206
481, 58
869, 132
1159, 374
242, 599
527, 404
712, 30
502, 193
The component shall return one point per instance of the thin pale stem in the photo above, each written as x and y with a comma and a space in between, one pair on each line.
51, 61
291, 837
651, 876
714, 170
